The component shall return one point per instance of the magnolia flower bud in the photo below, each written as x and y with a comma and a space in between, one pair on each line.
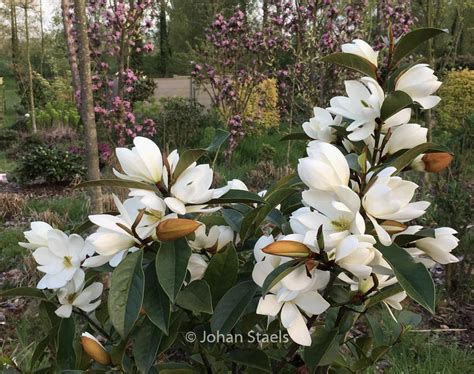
94, 349
175, 228
393, 227
287, 248
435, 162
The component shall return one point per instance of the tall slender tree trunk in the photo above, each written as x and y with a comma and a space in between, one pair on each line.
87, 103
31, 96
14, 39
71, 47
42, 36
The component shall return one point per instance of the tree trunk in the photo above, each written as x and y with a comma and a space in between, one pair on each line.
14, 39
31, 96
87, 103
71, 47
42, 37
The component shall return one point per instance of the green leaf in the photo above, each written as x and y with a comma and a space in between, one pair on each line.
353, 62
219, 138
237, 196
295, 136
66, 356
40, 350
221, 273
233, 218
155, 301
393, 103
278, 274
272, 200
171, 264
119, 183
413, 39
232, 306
404, 239
407, 157
126, 293
353, 162
323, 349
413, 277
176, 368
167, 341
186, 159
196, 296
383, 294
147, 342
253, 358
24, 292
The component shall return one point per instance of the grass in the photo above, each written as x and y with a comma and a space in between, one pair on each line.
70, 210
6, 165
12, 99
425, 353
11, 254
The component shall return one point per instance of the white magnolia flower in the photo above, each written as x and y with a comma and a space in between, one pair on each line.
320, 127
361, 48
362, 105
389, 199
37, 236
114, 238
324, 168
86, 299
217, 238
196, 266
354, 253
61, 259
294, 293
192, 190
143, 163
420, 83
438, 248
406, 136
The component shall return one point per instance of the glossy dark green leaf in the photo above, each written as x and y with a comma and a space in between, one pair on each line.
232, 306
196, 296
383, 294
221, 273
404, 239
407, 157
66, 356
24, 292
176, 368
323, 349
412, 276
353, 62
167, 341
147, 341
272, 200
237, 196
186, 159
233, 218
126, 293
413, 39
155, 302
171, 264
40, 349
394, 103
278, 274
119, 183
250, 357
219, 138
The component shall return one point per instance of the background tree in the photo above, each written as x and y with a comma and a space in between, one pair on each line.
87, 101
31, 98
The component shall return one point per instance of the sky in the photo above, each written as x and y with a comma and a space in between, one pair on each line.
50, 7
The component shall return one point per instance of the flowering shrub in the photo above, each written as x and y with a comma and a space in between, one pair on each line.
263, 108
233, 280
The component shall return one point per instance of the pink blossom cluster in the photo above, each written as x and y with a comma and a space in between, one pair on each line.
125, 26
